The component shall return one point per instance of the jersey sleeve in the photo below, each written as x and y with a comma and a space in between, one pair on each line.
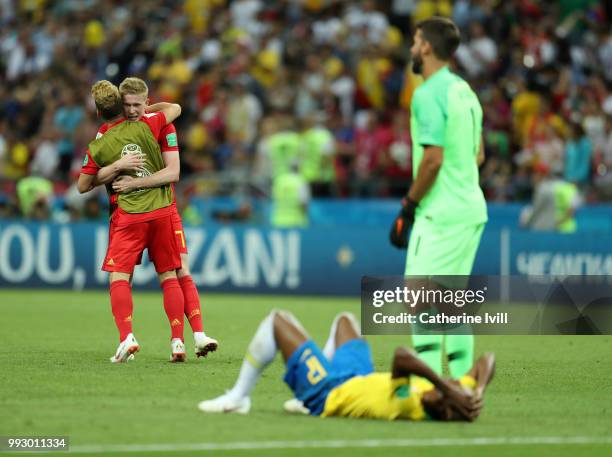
168, 140
156, 122
89, 166
430, 118
102, 130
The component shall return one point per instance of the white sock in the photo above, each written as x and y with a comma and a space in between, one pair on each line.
260, 354
330, 345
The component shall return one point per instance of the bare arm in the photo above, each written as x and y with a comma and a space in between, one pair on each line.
86, 183
483, 372
129, 162
169, 174
170, 110
406, 363
427, 173
481, 153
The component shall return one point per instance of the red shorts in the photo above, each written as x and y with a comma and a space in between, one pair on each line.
111, 229
179, 233
127, 242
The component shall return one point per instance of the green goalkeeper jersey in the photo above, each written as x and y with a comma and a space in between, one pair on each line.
445, 112
135, 138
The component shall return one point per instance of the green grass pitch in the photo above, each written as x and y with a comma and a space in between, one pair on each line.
56, 379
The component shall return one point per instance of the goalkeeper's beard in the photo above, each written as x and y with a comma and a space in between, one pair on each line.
417, 65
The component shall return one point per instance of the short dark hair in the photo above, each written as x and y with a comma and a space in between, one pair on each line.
442, 34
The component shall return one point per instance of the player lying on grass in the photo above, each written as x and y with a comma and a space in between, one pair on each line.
134, 93
340, 380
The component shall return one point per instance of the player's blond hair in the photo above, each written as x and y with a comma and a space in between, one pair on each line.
107, 99
133, 86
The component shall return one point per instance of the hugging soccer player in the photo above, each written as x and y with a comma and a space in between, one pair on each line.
134, 93
141, 219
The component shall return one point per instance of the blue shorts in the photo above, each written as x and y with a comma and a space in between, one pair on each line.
311, 376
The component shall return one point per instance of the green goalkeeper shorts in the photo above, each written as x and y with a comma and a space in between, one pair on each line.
435, 249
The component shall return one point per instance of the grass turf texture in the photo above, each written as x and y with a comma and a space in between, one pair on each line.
56, 380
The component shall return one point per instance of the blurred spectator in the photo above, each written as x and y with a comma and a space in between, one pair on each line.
171, 72
547, 149
593, 121
282, 146
497, 123
603, 164
67, 118
543, 124
234, 64
578, 155
317, 156
4, 149
371, 140
243, 112
35, 195
290, 198
554, 204
396, 159
479, 55
365, 20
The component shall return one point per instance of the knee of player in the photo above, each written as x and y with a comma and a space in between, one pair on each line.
277, 318
184, 270
346, 318
281, 315
163, 277
283, 318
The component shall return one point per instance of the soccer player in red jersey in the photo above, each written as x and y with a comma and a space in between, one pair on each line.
141, 219
134, 93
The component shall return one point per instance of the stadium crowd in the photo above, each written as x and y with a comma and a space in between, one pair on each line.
327, 83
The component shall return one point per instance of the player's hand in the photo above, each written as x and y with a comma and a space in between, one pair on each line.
131, 162
401, 224
124, 184
465, 402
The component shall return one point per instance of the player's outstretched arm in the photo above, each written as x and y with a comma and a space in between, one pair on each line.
170, 110
406, 363
169, 174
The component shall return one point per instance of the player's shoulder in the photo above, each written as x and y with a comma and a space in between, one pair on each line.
428, 96
155, 120
168, 128
151, 118
102, 130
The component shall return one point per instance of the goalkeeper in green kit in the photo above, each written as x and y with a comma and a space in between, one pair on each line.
445, 207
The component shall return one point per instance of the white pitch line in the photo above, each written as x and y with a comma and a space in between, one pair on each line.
333, 444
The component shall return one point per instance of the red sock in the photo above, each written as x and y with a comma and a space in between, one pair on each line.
174, 304
122, 305
193, 310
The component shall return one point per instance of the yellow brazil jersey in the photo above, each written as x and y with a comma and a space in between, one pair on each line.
378, 396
